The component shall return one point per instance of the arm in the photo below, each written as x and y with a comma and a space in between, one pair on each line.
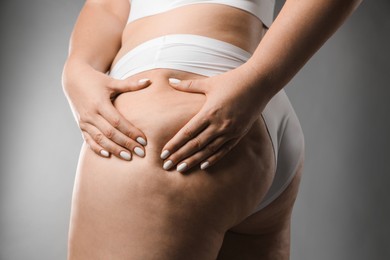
234, 99
96, 37
299, 30
95, 40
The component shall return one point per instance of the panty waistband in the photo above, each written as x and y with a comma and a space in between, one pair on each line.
187, 52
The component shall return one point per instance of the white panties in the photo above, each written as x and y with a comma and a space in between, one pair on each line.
208, 56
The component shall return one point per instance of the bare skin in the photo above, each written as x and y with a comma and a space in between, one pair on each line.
134, 210
240, 28
137, 210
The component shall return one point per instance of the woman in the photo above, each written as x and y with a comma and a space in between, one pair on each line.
192, 149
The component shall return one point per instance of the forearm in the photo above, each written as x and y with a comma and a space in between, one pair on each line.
300, 29
96, 37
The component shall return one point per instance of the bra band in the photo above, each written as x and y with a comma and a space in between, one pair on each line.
262, 9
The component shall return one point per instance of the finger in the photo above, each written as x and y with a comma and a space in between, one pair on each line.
100, 139
111, 114
190, 85
186, 133
94, 146
203, 154
193, 146
118, 137
227, 147
128, 84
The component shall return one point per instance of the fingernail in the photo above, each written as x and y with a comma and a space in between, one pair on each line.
168, 164
174, 81
164, 154
139, 151
141, 140
181, 167
125, 155
104, 153
143, 81
204, 165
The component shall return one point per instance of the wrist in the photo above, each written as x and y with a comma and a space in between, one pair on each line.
260, 84
75, 65
74, 70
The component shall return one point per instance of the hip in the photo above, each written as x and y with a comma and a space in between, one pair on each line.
160, 111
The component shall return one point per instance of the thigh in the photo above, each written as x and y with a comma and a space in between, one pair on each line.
264, 235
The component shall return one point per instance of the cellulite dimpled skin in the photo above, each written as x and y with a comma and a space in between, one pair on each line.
341, 98
208, 57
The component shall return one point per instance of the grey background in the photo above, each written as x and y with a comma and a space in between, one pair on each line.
341, 97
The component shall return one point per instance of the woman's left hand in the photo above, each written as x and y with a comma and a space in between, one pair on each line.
233, 103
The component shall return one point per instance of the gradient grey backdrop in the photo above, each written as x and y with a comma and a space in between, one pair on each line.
341, 97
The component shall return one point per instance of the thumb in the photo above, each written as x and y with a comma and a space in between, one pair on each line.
190, 85
127, 85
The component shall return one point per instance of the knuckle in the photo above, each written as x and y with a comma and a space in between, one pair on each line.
228, 147
84, 117
129, 133
109, 133
226, 125
116, 122
173, 147
99, 138
196, 143
211, 149
128, 143
214, 111
82, 126
187, 132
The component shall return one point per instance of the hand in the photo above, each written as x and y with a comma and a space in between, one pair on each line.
232, 105
90, 94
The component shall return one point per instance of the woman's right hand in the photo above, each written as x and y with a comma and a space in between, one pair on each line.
90, 94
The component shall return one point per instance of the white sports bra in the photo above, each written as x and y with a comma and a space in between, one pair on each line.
263, 9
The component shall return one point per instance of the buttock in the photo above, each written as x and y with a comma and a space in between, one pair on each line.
232, 187
207, 56
288, 143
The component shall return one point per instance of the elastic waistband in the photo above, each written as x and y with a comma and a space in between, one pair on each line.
188, 52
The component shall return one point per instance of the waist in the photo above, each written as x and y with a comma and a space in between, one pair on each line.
186, 52
217, 21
